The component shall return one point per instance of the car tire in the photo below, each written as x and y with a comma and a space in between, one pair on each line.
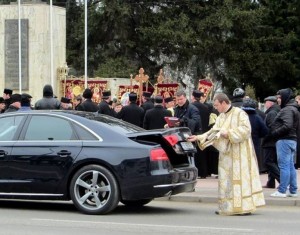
136, 203
94, 190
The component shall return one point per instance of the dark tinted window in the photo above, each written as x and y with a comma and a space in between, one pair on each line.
8, 127
83, 133
49, 128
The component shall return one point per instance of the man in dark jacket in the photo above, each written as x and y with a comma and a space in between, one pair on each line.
201, 159
146, 101
104, 107
15, 103
132, 113
284, 129
48, 101
187, 113
269, 143
155, 117
87, 105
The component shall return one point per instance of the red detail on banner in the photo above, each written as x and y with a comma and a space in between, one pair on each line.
205, 86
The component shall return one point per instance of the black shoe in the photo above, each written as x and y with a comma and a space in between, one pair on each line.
245, 214
268, 186
217, 212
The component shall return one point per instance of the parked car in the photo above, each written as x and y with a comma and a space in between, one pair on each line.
95, 160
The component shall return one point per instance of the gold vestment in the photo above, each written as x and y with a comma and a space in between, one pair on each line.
239, 184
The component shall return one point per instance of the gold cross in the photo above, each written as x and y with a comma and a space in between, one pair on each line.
141, 78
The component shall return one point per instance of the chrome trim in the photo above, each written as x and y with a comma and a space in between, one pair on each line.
173, 185
31, 194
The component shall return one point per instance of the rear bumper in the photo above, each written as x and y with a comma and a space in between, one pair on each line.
163, 183
173, 189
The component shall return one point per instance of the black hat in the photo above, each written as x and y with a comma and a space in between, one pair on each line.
197, 93
15, 98
87, 94
168, 99
65, 100
271, 98
106, 94
132, 97
147, 94
158, 99
7, 91
2, 100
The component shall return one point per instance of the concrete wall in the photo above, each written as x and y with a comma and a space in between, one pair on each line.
39, 44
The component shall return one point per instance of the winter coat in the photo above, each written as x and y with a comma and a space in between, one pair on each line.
155, 118
286, 122
189, 117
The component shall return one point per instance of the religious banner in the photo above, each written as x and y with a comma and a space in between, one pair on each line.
123, 93
205, 86
166, 89
73, 88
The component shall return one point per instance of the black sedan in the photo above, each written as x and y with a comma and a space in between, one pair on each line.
95, 160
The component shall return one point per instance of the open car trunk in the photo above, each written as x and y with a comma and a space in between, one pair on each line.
172, 140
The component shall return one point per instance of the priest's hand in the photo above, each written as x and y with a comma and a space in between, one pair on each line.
191, 138
224, 133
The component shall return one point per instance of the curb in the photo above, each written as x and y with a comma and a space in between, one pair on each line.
196, 197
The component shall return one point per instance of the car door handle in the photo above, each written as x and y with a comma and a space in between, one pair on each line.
3, 153
64, 153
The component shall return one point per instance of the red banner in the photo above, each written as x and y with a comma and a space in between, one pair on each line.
73, 88
205, 86
166, 89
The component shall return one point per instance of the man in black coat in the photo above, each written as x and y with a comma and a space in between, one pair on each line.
104, 107
201, 159
88, 105
132, 113
155, 117
15, 103
269, 143
146, 101
187, 113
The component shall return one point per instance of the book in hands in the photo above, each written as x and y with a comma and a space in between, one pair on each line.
172, 121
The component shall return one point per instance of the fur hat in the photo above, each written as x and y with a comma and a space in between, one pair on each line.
7, 91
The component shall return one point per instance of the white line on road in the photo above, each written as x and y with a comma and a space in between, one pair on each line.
142, 225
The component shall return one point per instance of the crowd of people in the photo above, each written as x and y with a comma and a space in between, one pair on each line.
235, 139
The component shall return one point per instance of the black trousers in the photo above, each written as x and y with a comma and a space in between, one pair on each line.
272, 166
201, 162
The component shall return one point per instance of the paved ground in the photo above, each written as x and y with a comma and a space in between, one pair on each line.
207, 191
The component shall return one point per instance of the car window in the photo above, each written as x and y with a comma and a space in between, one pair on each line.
9, 126
49, 128
84, 134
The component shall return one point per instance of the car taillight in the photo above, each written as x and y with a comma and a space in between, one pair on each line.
172, 139
158, 155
